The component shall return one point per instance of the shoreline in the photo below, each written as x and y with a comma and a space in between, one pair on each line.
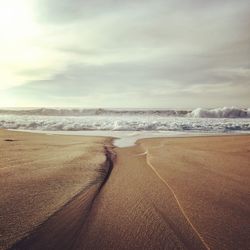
129, 138
162, 192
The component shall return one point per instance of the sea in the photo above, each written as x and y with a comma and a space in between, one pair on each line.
128, 125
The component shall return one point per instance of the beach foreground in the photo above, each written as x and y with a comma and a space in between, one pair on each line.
164, 193
40, 174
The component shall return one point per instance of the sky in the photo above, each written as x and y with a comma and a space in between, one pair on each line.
125, 54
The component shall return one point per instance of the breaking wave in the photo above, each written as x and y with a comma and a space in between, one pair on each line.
226, 112
123, 123
214, 120
93, 112
221, 113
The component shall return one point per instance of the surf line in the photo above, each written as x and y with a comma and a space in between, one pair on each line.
175, 197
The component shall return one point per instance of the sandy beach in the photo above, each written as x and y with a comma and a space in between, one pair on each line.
175, 193
40, 174
58, 192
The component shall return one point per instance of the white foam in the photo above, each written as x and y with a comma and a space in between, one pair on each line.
122, 138
123, 123
221, 113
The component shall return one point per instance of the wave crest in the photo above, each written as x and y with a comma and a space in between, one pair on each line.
220, 113
226, 112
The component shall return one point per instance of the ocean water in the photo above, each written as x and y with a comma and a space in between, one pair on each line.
127, 125
216, 120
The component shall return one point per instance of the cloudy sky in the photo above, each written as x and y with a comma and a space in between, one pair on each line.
133, 53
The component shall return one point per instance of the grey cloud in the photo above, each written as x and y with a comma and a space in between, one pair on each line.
162, 51
67, 10
80, 80
61, 11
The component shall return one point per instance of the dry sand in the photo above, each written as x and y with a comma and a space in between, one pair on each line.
39, 174
166, 193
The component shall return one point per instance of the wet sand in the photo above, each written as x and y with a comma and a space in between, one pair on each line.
175, 193
164, 193
211, 179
